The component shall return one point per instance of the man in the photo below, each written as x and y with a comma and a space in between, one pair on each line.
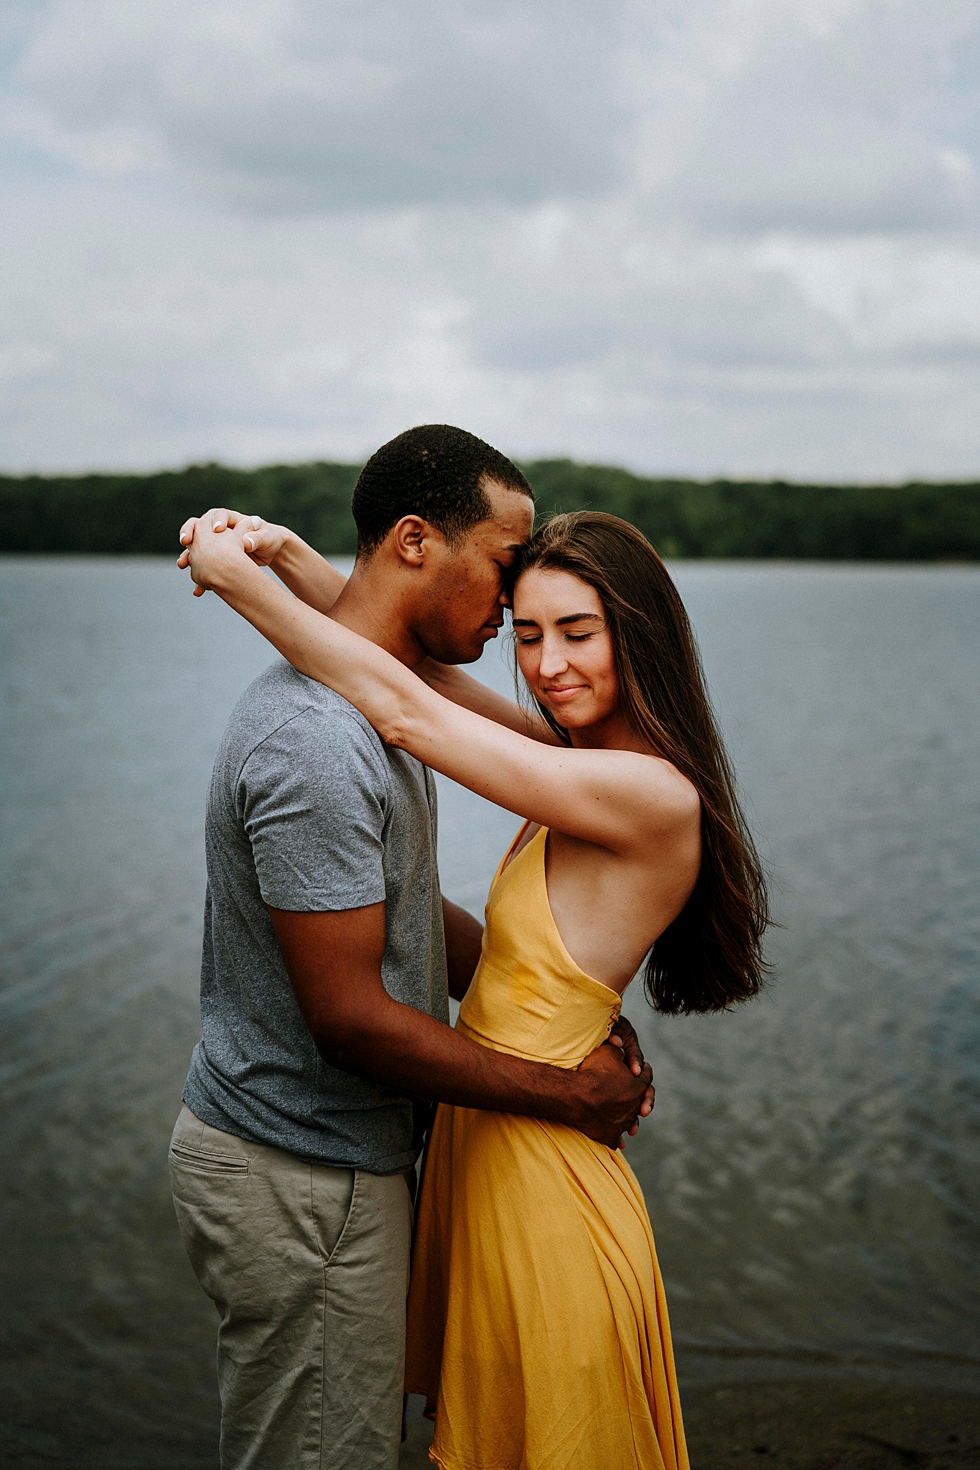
328, 955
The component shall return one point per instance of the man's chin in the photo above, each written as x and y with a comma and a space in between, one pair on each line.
456, 654
471, 656
479, 643
466, 651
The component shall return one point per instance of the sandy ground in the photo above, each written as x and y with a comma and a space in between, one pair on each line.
811, 1426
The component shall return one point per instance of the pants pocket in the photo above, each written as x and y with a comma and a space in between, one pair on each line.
334, 1193
204, 1161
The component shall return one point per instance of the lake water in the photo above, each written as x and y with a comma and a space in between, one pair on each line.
811, 1167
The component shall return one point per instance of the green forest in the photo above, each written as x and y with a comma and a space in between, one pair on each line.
139, 514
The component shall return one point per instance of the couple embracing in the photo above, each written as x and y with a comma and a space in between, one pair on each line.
536, 1322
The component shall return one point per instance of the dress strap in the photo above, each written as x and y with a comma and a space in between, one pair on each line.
505, 860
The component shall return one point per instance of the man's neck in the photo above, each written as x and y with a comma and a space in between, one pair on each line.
370, 605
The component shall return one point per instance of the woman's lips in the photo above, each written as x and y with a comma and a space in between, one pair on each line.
564, 692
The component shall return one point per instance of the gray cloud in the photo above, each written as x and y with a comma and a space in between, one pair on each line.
707, 237
311, 106
866, 119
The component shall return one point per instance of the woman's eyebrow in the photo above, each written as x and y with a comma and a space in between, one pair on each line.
559, 622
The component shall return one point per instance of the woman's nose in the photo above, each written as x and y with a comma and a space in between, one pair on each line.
553, 659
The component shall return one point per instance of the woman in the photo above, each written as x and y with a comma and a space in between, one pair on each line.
537, 1319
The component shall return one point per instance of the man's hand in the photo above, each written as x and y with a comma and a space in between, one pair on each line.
614, 1096
262, 541
623, 1035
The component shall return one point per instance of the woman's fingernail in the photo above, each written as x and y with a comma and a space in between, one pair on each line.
256, 522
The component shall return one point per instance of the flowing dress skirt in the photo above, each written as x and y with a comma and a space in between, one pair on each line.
537, 1315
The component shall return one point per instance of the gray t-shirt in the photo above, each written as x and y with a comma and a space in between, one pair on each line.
309, 811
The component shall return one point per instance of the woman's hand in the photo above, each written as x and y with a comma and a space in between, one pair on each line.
217, 562
260, 540
307, 574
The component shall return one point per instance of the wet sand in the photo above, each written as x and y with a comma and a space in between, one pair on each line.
812, 1425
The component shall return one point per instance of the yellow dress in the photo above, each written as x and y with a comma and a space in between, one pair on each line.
536, 1312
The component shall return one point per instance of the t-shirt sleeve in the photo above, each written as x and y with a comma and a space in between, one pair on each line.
313, 798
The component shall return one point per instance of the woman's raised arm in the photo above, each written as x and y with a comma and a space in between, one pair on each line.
615, 798
311, 578
452, 683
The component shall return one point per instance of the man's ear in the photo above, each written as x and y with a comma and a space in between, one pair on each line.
412, 538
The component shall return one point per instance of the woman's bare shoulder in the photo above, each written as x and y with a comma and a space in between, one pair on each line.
643, 799
653, 788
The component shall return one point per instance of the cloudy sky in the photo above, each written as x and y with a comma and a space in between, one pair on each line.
702, 236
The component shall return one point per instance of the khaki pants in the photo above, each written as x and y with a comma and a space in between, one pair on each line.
308, 1268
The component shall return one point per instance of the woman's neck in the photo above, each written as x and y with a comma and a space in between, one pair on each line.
613, 733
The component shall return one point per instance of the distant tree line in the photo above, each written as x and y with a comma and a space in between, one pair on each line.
684, 518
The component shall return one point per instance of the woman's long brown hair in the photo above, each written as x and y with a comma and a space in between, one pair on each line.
710, 957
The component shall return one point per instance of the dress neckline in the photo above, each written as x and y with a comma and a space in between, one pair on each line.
507, 862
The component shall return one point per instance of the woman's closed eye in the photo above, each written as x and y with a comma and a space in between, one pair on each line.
526, 639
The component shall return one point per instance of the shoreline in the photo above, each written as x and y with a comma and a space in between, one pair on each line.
807, 1423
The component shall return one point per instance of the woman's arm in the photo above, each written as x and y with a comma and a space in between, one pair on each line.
450, 681
307, 574
312, 579
615, 798
318, 584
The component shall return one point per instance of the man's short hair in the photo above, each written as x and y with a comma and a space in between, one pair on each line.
435, 472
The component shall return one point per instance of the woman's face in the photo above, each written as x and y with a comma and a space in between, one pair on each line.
564, 647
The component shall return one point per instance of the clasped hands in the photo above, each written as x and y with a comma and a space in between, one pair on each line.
261, 540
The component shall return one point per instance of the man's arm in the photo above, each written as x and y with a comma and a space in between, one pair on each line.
464, 941
334, 963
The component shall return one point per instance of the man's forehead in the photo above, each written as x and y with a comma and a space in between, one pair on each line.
513, 515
